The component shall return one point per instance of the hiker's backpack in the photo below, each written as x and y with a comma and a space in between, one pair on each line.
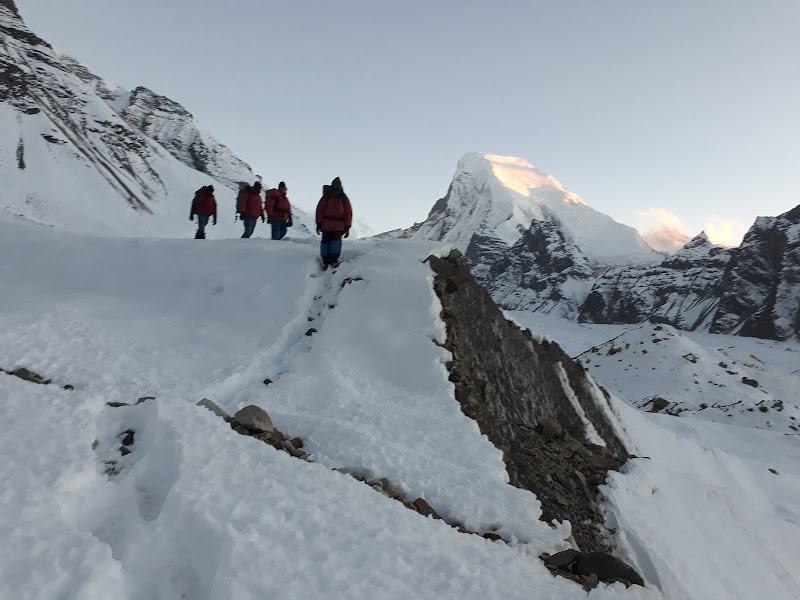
244, 189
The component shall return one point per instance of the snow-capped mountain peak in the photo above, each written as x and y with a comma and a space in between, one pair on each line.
500, 196
666, 239
518, 175
528, 239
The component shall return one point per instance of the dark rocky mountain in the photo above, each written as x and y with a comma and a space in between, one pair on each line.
752, 290
540, 271
683, 290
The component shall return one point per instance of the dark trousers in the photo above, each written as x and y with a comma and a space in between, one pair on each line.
331, 246
278, 229
202, 221
249, 226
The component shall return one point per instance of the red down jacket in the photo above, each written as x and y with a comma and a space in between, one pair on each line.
277, 205
204, 203
249, 204
334, 212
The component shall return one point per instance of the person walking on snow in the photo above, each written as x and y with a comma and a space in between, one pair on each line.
204, 206
279, 211
334, 219
250, 208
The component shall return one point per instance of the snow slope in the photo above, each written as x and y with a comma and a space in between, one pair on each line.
706, 382
747, 382
198, 511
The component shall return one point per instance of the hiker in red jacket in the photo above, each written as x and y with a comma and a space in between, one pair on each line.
279, 211
249, 207
334, 218
204, 206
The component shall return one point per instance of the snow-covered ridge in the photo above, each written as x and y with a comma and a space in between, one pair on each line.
197, 510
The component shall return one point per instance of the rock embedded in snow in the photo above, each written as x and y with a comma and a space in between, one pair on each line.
254, 418
606, 567
425, 509
29, 375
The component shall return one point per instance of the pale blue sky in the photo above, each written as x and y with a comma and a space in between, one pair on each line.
689, 106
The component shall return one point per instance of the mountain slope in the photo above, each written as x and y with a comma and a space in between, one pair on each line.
752, 290
706, 383
191, 508
67, 158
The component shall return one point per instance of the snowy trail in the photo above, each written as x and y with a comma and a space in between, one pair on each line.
195, 510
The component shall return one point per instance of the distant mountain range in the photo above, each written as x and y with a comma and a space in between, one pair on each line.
538, 247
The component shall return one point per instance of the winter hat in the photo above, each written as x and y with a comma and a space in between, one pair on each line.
210, 189
281, 186
257, 186
336, 184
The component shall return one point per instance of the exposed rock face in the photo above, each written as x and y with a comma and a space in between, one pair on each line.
683, 290
169, 123
752, 290
517, 389
761, 284
14, 79
540, 271
9, 4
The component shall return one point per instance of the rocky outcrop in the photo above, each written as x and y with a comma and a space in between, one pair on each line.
28, 375
551, 421
9, 4
761, 284
541, 271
